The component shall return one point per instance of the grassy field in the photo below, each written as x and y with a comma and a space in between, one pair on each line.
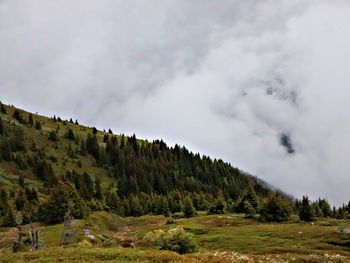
221, 238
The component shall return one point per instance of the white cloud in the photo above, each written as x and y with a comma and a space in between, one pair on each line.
225, 78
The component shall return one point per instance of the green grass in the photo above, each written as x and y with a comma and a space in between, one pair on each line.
220, 238
83, 254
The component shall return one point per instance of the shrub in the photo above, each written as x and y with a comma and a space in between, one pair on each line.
275, 210
53, 136
218, 207
175, 239
188, 208
9, 219
249, 210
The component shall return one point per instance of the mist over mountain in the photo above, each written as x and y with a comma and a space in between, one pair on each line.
260, 84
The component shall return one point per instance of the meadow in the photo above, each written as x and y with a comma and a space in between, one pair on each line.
220, 238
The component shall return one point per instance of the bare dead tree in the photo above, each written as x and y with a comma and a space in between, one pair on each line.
66, 235
17, 242
34, 237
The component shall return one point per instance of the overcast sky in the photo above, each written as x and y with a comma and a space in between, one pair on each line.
225, 78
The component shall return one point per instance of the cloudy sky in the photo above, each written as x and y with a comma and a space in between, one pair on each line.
261, 84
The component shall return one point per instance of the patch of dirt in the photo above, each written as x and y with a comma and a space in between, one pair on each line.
225, 256
124, 238
218, 222
346, 230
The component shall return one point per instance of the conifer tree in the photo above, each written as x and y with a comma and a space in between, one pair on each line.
3, 201
18, 116
45, 172
165, 207
93, 147
20, 200
53, 136
5, 151
275, 209
340, 213
188, 208
62, 197
70, 151
89, 186
249, 197
98, 191
70, 134
2, 108
218, 207
9, 219
306, 212
30, 120
38, 125
1, 127
325, 207
17, 142
135, 206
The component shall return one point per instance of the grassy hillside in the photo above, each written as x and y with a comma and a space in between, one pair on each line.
107, 171
221, 238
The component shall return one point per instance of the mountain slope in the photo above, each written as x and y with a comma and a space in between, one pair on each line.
41, 157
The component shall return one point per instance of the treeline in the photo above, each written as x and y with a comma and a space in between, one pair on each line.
141, 177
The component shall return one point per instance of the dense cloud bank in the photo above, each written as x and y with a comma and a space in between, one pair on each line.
262, 84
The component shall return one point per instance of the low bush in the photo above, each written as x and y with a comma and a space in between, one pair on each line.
175, 239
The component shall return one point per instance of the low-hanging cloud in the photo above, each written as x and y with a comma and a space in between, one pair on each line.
226, 78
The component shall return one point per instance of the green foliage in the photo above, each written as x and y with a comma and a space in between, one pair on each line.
218, 207
151, 177
20, 200
175, 239
70, 134
188, 208
93, 147
5, 151
38, 125
306, 213
44, 171
248, 209
18, 116
325, 207
135, 207
30, 119
53, 136
62, 198
98, 190
9, 219
17, 140
3, 202
275, 210
249, 203
2, 108
1, 127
